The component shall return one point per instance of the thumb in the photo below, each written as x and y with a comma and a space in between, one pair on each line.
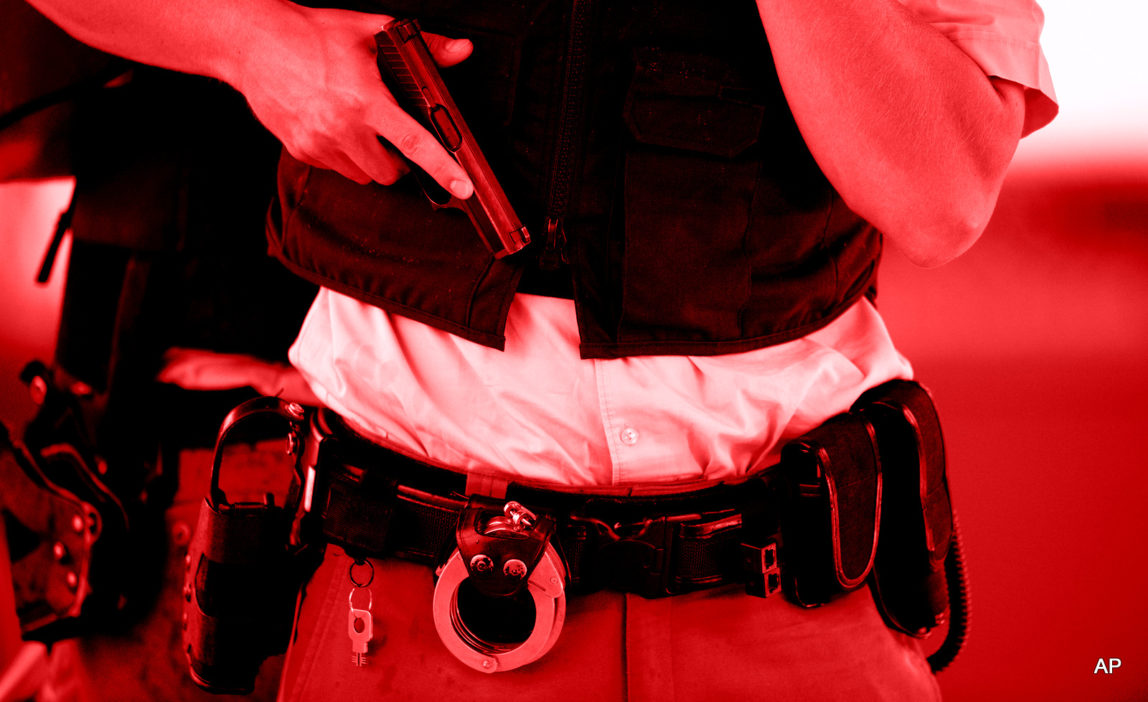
446, 51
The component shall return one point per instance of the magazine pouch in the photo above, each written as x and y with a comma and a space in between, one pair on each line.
829, 522
908, 580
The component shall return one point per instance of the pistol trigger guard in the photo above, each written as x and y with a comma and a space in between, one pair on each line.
429, 187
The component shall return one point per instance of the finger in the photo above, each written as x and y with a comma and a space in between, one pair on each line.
347, 168
338, 163
446, 51
395, 158
383, 164
419, 146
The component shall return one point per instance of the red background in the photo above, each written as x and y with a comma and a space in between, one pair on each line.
1033, 344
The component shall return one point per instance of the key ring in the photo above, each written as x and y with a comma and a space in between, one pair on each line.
370, 576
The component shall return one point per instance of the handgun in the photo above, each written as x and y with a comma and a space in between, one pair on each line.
409, 71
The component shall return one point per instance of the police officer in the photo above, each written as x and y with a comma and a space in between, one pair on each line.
709, 189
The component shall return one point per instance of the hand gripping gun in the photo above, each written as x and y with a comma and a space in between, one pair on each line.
409, 70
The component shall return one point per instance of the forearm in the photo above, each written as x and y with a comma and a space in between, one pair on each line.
906, 126
310, 75
205, 38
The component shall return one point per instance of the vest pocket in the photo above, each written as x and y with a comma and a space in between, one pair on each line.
691, 102
690, 179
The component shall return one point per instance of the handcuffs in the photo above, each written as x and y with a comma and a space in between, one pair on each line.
505, 563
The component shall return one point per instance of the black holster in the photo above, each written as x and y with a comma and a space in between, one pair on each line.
85, 531
909, 581
244, 571
238, 594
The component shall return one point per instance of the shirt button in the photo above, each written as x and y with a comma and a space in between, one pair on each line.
629, 436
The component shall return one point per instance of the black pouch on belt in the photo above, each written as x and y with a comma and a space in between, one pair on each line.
243, 573
916, 520
829, 522
240, 594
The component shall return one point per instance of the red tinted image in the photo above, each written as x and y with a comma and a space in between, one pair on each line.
787, 350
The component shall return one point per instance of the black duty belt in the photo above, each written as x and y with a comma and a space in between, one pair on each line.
375, 502
809, 525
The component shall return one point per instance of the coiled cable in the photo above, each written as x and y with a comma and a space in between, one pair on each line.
956, 577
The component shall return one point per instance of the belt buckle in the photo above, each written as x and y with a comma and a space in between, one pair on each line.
638, 557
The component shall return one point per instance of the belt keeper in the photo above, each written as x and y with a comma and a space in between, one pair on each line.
759, 560
762, 571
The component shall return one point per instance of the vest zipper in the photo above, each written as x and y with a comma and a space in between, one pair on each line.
554, 253
569, 120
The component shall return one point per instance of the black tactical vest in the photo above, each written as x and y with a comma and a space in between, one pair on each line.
648, 148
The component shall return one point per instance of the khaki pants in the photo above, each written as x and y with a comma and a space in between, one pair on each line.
717, 644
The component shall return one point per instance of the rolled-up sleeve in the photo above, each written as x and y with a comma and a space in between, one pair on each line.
1003, 38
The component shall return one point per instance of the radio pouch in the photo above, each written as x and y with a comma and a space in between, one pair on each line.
829, 523
908, 581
